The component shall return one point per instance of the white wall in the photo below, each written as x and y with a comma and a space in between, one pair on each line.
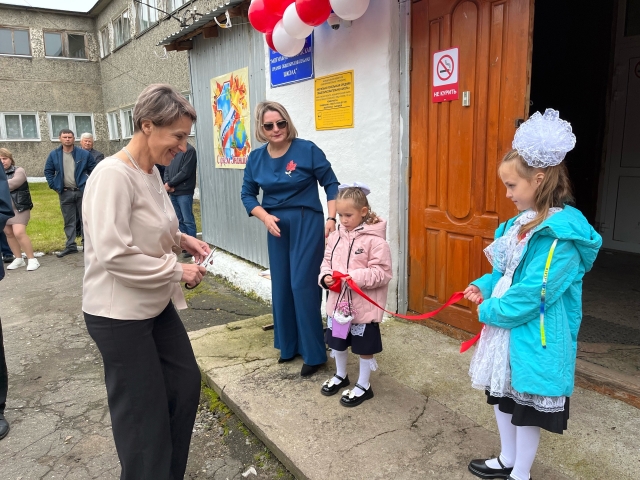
369, 152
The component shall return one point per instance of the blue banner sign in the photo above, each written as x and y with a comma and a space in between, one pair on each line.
287, 70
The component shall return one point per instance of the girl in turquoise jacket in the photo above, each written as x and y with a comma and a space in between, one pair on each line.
531, 304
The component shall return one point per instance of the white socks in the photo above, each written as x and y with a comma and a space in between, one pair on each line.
341, 365
519, 446
527, 440
366, 367
507, 440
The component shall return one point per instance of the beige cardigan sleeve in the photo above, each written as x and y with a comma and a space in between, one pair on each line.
19, 177
108, 212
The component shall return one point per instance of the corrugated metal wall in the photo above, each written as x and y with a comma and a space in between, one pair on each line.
224, 219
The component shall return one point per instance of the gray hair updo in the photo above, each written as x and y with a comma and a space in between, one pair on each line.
162, 105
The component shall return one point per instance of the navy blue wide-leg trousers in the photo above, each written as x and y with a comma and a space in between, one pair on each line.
295, 258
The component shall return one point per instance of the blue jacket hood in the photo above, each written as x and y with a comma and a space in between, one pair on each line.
570, 224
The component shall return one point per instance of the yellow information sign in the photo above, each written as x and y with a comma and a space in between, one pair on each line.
334, 101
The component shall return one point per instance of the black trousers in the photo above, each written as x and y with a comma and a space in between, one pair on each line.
4, 377
153, 389
71, 207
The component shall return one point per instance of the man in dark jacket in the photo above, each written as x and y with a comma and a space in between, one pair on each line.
86, 142
180, 182
67, 170
6, 212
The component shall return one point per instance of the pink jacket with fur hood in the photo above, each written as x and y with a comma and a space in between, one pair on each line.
364, 254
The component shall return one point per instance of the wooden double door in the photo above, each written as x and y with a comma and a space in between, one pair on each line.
456, 197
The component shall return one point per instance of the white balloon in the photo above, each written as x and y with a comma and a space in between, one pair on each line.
285, 44
292, 24
349, 9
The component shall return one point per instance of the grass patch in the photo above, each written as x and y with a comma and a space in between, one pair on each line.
46, 227
197, 215
217, 406
250, 294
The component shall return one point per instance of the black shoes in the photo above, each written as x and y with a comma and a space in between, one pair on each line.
479, 469
66, 251
308, 370
327, 390
186, 254
4, 426
8, 258
285, 360
349, 399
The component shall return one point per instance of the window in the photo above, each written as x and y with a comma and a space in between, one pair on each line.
193, 125
19, 126
65, 45
79, 123
126, 121
112, 121
175, 4
14, 42
121, 29
147, 14
104, 42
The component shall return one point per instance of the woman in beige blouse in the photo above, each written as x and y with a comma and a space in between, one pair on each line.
16, 228
131, 276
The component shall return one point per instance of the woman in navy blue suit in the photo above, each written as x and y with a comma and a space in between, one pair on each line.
288, 170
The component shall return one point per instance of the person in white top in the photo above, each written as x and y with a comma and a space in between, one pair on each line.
131, 275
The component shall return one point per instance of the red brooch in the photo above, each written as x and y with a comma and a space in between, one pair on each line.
291, 166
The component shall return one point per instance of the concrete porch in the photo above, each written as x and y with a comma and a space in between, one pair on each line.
424, 422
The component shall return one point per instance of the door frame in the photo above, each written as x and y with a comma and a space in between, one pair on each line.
404, 13
619, 78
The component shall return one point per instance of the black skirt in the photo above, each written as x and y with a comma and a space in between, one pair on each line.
525, 416
369, 343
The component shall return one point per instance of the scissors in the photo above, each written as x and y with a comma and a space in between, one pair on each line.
208, 260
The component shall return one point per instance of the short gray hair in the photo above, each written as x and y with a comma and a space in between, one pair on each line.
162, 105
86, 135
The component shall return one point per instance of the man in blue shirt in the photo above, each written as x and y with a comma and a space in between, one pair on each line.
67, 170
180, 182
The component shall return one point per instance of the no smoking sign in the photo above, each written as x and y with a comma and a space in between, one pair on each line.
445, 75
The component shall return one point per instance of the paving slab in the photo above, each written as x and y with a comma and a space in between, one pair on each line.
424, 421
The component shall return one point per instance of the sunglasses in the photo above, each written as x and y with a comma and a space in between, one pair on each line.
269, 126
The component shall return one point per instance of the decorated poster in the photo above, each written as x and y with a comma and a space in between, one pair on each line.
231, 119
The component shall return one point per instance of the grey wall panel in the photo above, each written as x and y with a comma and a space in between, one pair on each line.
224, 219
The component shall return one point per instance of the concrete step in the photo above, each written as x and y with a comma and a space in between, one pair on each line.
424, 421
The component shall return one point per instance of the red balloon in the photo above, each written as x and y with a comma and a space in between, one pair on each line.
313, 12
262, 19
277, 6
269, 38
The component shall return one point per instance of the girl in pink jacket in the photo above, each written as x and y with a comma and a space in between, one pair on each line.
359, 249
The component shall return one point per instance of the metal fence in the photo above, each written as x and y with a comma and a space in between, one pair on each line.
224, 219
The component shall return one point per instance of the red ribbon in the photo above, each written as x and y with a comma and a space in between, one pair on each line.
455, 298
470, 343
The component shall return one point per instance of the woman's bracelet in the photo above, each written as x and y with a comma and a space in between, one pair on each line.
331, 218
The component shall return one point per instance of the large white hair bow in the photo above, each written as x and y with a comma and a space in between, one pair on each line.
544, 140
365, 188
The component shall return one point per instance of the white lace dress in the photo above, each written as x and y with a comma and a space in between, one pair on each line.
490, 369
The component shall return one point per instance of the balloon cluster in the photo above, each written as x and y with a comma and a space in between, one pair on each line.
287, 23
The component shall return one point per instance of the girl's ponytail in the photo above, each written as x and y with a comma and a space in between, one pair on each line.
359, 199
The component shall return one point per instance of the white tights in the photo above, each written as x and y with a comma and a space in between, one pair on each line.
366, 367
519, 446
